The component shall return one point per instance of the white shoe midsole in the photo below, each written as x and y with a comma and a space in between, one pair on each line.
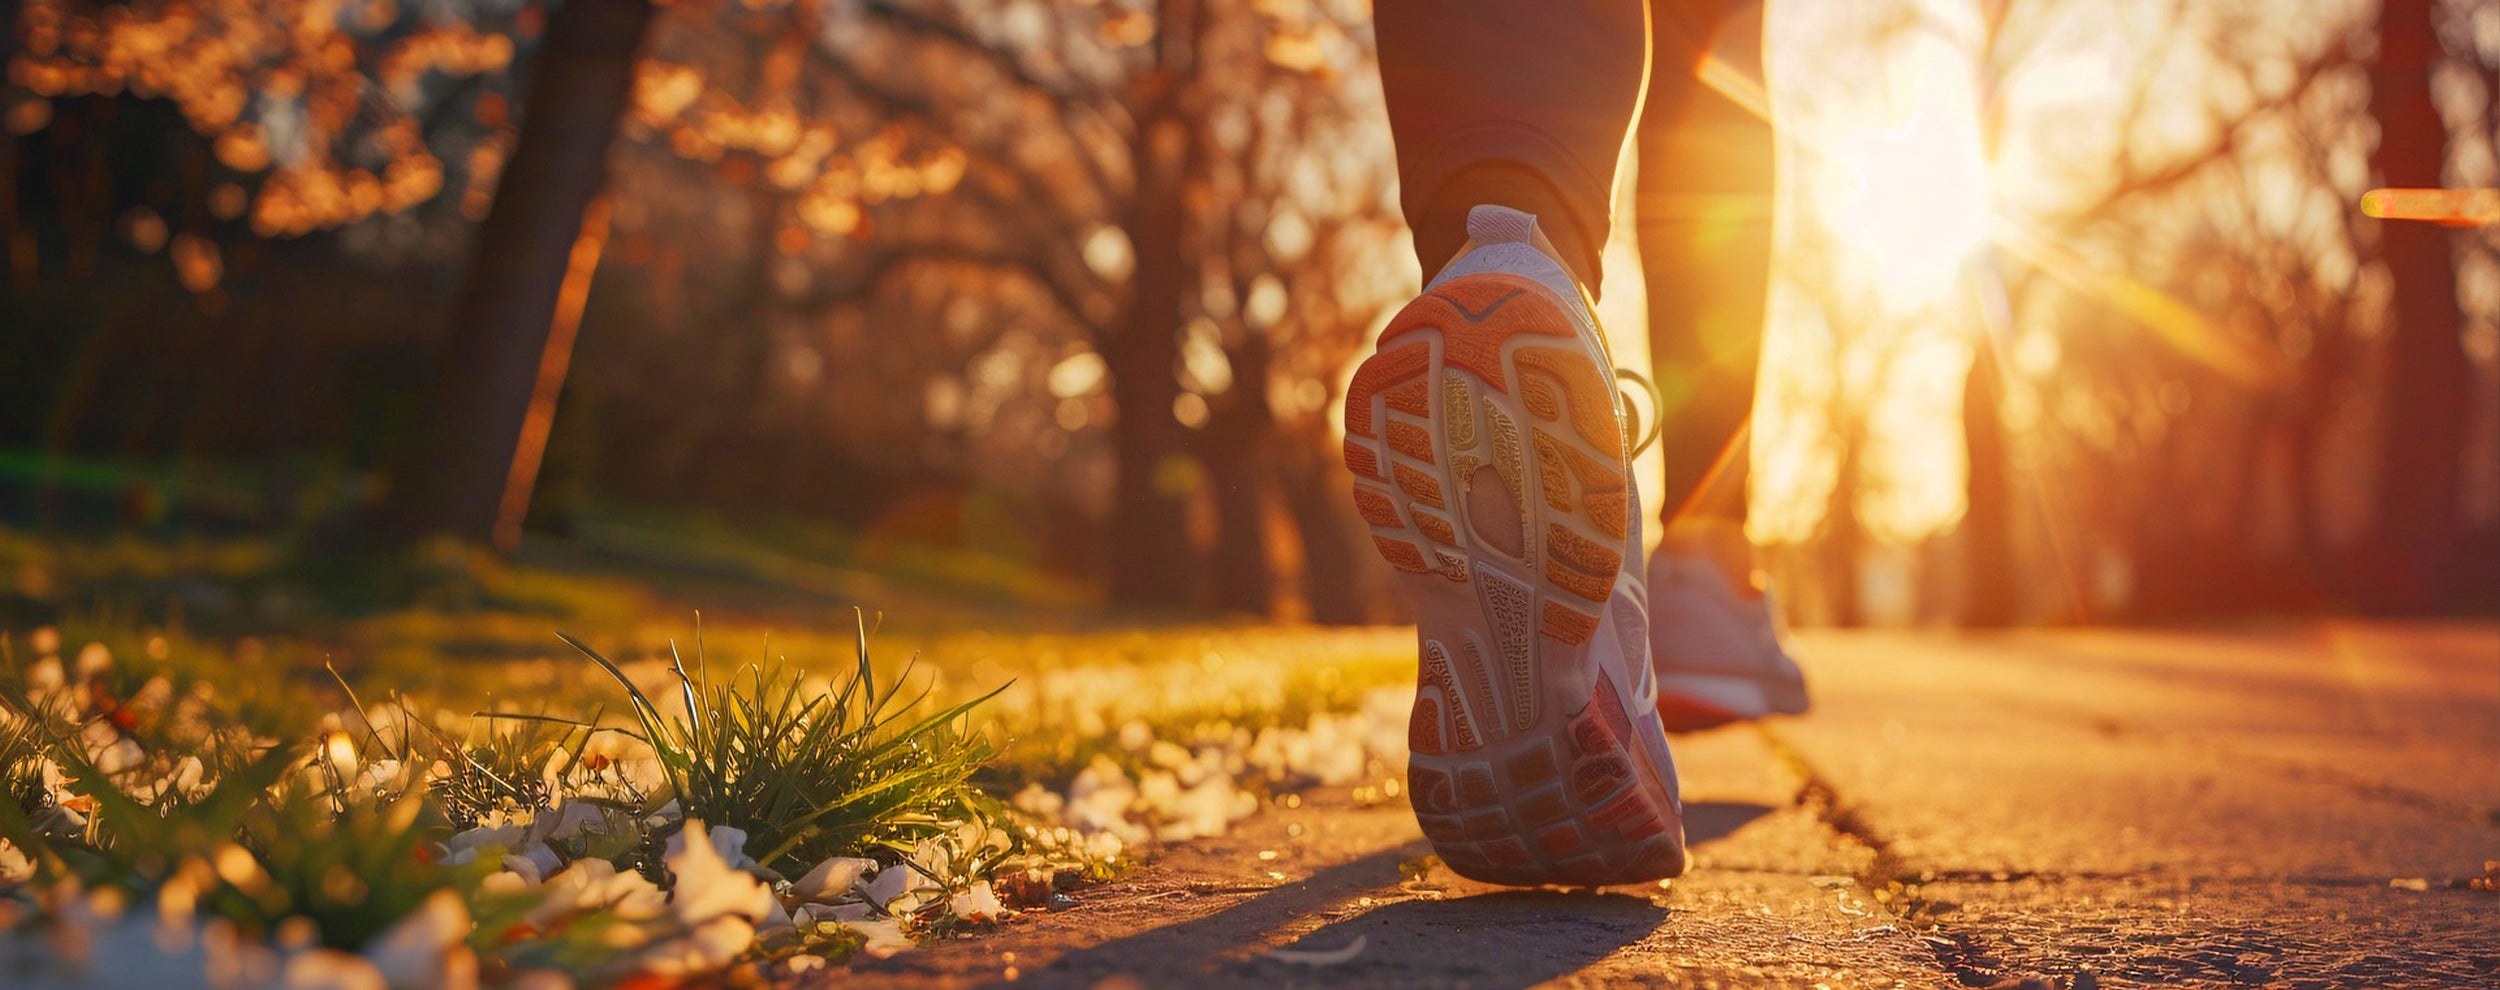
1740, 696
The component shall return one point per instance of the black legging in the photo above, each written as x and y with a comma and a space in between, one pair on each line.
1527, 103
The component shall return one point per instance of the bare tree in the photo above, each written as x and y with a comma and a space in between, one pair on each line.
1105, 197
1271, 234
505, 359
2422, 440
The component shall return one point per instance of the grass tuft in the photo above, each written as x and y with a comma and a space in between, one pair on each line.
810, 775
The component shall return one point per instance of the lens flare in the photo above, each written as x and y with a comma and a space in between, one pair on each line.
2447, 207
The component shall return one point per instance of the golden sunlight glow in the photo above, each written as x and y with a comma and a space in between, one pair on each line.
2175, 324
1913, 199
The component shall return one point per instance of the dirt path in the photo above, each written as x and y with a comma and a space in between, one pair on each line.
1773, 901
2303, 809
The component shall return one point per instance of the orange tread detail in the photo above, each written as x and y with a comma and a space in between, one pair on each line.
1423, 727
1411, 440
1418, 485
1608, 510
1628, 809
1587, 586
1475, 315
1581, 554
1592, 400
1376, 508
1360, 459
1591, 735
1566, 624
1401, 554
1603, 494
1608, 707
1436, 527
1537, 392
1602, 491
1413, 398
1595, 475
1595, 777
1385, 369
1551, 460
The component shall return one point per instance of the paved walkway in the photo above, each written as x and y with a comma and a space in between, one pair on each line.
2302, 807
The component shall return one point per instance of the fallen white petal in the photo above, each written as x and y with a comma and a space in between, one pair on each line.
832, 878
534, 862
977, 903
1322, 957
885, 936
848, 911
707, 888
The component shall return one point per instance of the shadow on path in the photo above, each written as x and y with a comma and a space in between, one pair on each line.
1191, 950
1506, 938
1499, 938
1709, 821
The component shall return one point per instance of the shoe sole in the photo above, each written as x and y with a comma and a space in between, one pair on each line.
1526, 768
1693, 702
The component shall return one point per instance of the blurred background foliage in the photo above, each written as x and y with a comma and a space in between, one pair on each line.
2075, 315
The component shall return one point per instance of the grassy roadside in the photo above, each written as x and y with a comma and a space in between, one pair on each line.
632, 764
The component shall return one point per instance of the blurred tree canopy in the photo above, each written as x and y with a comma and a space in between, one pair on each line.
2193, 378
1076, 284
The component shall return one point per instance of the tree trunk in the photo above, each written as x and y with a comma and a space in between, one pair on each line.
1844, 539
1991, 594
2423, 432
1151, 554
2322, 378
1242, 576
1240, 437
451, 478
1150, 547
2160, 536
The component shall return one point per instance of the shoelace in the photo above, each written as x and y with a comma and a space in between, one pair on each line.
1657, 405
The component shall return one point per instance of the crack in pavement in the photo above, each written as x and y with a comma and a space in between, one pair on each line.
2020, 943
1893, 887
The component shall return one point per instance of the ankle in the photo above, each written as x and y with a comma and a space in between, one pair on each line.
1441, 229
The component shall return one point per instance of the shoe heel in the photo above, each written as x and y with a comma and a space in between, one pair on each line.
1488, 460
1580, 806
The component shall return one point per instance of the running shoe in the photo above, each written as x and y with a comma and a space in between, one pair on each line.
1720, 653
1487, 443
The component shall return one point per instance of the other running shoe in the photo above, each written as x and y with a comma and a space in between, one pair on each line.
1720, 653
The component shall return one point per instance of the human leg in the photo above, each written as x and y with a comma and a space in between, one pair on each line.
1517, 103
1703, 209
1704, 223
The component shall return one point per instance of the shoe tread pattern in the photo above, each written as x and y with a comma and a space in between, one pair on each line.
1509, 784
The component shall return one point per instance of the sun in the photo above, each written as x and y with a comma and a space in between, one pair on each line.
1912, 201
